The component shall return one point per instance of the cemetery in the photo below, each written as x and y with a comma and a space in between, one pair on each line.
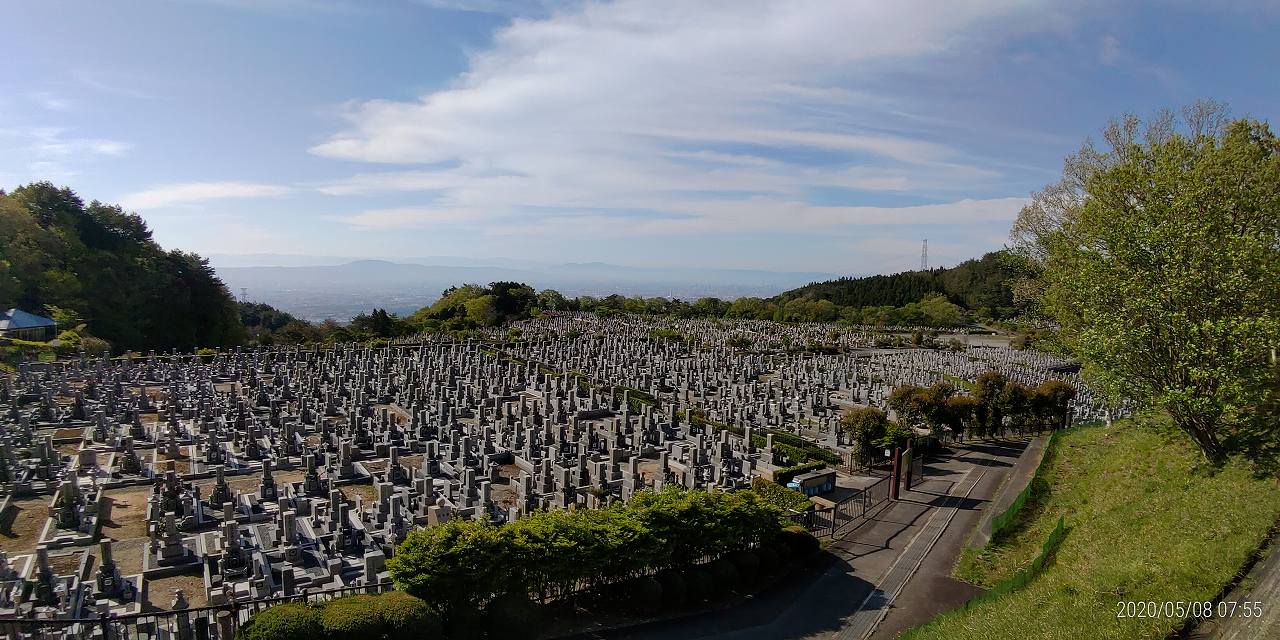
170, 481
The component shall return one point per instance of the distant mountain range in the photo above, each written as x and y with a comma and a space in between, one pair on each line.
310, 289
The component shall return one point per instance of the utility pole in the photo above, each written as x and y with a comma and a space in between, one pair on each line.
924, 255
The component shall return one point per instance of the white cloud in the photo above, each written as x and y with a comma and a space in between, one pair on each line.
688, 110
186, 193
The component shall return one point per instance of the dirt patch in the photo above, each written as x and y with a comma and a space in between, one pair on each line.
503, 495
65, 564
181, 465
68, 449
508, 471
366, 491
21, 524
375, 466
126, 554
160, 591
648, 469
128, 513
63, 434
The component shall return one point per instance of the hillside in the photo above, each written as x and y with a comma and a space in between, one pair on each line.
95, 264
1145, 520
983, 286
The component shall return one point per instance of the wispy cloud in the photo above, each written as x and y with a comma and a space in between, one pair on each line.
716, 116
49, 101
52, 153
192, 192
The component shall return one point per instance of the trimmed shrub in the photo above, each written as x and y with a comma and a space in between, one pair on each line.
405, 617
700, 585
769, 561
747, 563
674, 589
282, 622
466, 623
645, 594
802, 543
513, 615
782, 549
351, 617
724, 574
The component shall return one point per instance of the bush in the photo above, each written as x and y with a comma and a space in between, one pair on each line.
724, 574
769, 560
747, 563
699, 585
645, 594
781, 548
405, 617
674, 589
282, 622
463, 563
352, 617
779, 496
466, 623
801, 542
513, 615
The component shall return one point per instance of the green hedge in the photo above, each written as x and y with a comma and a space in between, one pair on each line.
282, 622
393, 615
784, 475
465, 563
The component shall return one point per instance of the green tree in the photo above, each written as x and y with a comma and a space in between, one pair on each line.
864, 426
1160, 258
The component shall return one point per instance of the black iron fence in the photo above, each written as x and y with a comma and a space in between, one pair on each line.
826, 521
214, 622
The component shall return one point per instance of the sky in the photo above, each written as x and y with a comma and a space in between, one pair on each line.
798, 135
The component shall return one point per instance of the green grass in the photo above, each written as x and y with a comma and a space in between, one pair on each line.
1145, 521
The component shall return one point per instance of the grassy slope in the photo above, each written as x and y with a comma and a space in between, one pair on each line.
1144, 523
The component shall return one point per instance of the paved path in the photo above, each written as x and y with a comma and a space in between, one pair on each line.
871, 582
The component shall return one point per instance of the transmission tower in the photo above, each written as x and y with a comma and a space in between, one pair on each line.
924, 255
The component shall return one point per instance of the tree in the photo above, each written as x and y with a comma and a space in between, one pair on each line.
864, 426
1159, 256
988, 412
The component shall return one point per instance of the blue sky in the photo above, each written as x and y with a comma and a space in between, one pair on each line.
793, 135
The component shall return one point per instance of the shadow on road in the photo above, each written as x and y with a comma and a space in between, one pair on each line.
829, 598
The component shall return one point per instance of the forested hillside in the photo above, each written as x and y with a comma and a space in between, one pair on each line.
95, 264
983, 286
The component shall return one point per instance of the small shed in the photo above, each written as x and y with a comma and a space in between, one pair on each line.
814, 482
20, 325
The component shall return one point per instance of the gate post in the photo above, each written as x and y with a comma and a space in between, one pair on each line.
909, 461
897, 473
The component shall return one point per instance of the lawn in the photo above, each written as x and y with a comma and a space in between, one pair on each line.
1146, 521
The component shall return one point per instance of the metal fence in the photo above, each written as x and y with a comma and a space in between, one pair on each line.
826, 521
215, 622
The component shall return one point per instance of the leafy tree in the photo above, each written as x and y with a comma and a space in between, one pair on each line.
1159, 256
100, 264
864, 426
988, 410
